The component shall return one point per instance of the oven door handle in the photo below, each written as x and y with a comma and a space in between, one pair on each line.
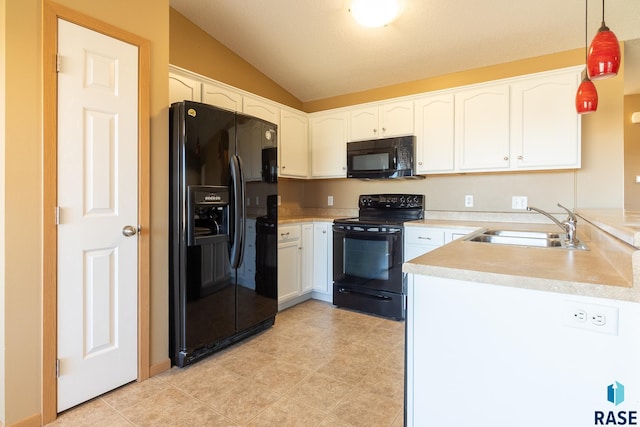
370, 233
376, 297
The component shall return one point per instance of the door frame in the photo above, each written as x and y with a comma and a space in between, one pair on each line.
51, 13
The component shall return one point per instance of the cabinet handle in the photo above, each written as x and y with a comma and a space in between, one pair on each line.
424, 238
283, 167
420, 163
519, 157
506, 158
375, 130
284, 234
344, 168
384, 129
324, 231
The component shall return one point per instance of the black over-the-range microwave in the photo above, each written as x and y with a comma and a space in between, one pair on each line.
381, 158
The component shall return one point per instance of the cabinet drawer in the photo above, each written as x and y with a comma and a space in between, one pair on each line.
420, 236
288, 233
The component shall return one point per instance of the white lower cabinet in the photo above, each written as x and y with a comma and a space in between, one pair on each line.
420, 240
323, 261
295, 249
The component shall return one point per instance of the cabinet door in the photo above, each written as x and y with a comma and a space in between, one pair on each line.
183, 89
420, 240
435, 134
322, 258
545, 126
482, 128
363, 124
263, 110
396, 119
294, 144
306, 262
288, 270
221, 97
328, 135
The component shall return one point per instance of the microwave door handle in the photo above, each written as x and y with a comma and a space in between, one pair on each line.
236, 250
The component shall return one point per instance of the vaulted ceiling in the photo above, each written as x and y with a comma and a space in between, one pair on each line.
315, 50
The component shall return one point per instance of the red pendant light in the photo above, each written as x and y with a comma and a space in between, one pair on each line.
587, 95
603, 60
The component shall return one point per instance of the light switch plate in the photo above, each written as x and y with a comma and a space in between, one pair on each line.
329, 200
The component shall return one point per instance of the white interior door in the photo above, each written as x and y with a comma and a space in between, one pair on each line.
98, 200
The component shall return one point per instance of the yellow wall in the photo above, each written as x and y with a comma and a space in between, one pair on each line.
631, 154
2, 204
194, 50
23, 213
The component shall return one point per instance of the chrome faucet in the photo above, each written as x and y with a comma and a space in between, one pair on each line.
568, 225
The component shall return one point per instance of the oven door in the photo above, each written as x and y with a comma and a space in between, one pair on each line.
368, 257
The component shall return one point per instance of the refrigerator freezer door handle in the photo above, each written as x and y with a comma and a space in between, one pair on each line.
238, 189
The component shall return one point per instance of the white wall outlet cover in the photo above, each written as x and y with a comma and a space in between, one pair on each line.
468, 201
279, 200
519, 202
330, 200
591, 317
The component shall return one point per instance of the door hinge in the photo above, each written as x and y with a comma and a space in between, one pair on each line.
57, 215
57, 368
58, 60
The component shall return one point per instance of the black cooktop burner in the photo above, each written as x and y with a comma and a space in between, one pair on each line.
387, 209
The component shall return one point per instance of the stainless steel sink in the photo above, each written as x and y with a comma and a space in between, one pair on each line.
525, 238
525, 234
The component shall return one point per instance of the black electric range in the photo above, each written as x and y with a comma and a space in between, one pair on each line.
368, 254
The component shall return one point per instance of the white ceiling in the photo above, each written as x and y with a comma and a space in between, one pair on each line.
315, 50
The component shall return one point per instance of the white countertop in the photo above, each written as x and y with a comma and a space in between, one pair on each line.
606, 270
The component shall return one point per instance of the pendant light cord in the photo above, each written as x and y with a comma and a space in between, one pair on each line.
586, 14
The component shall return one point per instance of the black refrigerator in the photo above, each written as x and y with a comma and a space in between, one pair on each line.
222, 165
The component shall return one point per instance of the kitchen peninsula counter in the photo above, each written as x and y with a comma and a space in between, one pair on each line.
608, 270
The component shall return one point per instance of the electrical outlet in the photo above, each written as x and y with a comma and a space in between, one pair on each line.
257, 200
599, 319
279, 200
329, 200
468, 201
580, 315
519, 202
248, 201
591, 317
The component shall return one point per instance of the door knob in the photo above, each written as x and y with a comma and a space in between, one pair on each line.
129, 230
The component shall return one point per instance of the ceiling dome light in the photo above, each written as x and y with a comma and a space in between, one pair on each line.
374, 13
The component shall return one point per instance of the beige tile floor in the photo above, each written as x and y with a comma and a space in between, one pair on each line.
318, 366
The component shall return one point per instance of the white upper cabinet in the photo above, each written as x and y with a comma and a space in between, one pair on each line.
294, 144
435, 134
381, 121
263, 110
482, 128
221, 97
328, 142
182, 88
545, 129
